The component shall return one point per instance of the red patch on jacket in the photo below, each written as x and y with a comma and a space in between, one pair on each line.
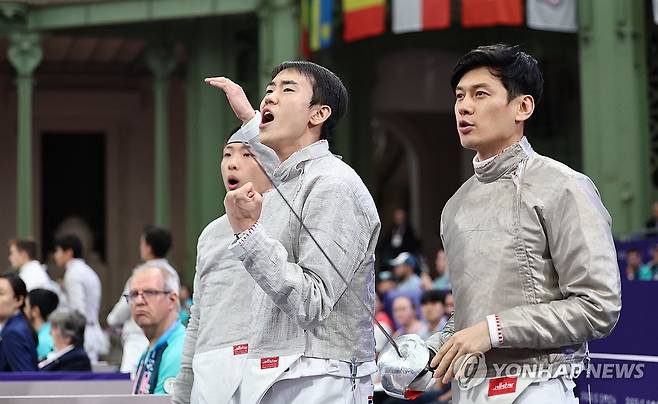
502, 385
240, 349
269, 363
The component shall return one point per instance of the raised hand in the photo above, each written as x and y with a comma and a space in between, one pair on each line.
243, 207
236, 97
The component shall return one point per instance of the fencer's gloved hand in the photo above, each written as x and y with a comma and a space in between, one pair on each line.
407, 374
425, 379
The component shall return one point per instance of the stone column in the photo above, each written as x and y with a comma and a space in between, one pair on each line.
25, 54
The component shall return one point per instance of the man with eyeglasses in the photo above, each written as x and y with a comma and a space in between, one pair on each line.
154, 305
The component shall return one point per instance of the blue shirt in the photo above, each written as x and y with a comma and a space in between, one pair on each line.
45, 341
165, 356
18, 349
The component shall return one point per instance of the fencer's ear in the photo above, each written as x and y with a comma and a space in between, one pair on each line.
525, 107
319, 114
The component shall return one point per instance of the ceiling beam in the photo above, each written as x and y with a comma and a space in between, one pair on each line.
131, 11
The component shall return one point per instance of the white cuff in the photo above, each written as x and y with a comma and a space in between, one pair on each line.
495, 330
248, 131
237, 245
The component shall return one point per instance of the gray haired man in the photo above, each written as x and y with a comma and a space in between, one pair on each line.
154, 305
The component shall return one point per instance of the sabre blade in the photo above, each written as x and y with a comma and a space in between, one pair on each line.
347, 284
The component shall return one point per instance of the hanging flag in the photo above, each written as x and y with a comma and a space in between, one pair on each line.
487, 13
552, 15
363, 19
304, 40
420, 15
321, 13
655, 11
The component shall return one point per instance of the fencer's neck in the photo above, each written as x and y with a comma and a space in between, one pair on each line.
491, 169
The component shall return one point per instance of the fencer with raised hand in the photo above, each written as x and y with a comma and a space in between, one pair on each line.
303, 321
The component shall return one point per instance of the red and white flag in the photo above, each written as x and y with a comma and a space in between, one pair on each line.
552, 15
420, 15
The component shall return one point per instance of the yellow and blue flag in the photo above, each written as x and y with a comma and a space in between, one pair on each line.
321, 23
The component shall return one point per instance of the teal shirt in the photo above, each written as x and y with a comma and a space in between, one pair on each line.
45, 341
645, 273
170, 362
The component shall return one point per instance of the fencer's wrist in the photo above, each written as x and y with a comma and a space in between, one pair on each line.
244, 234
244, 225
247, 116
495, 330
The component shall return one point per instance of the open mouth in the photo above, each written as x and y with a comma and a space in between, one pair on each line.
266, 117
233, 183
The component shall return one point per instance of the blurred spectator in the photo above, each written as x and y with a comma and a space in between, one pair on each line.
404, 313
68, 332
449, 303
385, 321
18, 343
154, 244
401, 237
441, 279
633, 263
38, 306
23, 257
425, 281
82, 292
649, 271
404, 268
154, 305
185, 304
652, 223
432, 305
385, 283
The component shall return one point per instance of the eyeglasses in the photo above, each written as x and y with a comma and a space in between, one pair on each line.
147, 295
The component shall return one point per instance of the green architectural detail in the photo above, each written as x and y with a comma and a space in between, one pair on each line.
132, 11
12, 17
209, 120
25, 54
278, 35
162, 61
615, 132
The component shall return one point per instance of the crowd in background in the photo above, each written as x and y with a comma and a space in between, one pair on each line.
641, 264
53, 325
412, 297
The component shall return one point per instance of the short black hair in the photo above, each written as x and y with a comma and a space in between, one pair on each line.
159, 239
27, 245
70, 242
17, 286
518, 71
328, 89
432, 296
46, 300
